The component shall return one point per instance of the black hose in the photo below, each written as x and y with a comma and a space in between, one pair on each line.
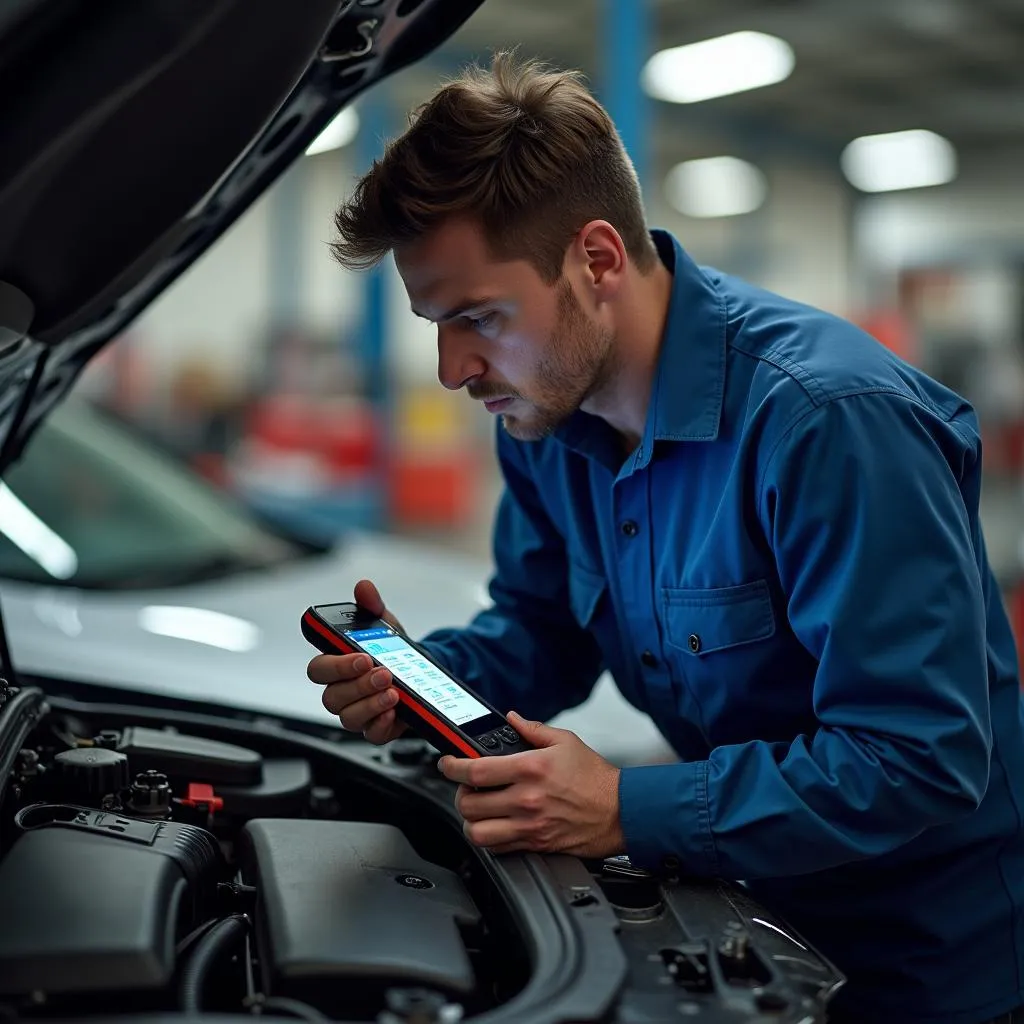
209, 949
293, 1008
193, 936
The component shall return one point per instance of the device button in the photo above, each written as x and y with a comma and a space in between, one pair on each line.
489, 741
508, 734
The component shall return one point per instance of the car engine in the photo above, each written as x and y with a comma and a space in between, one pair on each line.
157, 861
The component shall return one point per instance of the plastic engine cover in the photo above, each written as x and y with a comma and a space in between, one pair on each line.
93, 901
346, 910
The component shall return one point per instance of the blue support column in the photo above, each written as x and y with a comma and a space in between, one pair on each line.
626, 47
375, 118
374, 115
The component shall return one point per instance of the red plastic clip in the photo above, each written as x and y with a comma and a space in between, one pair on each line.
200, 794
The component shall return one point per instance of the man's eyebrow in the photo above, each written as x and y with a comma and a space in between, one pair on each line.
459, 309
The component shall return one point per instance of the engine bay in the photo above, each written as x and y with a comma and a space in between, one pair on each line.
158, 861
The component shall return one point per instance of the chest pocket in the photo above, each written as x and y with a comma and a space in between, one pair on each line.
701, 622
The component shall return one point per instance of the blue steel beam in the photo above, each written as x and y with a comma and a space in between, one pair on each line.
375, 118
626, 43
375, 115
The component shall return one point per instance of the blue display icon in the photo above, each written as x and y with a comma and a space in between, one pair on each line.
370, 634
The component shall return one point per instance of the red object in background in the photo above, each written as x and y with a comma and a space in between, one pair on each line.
1015, 608
212, 467
424, 489
893, 330
1003, 445
344, 438
432, 490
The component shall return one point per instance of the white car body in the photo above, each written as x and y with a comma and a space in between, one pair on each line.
235, 640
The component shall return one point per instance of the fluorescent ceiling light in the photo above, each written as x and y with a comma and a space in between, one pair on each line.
25, 530
719, 186
340, 132
201, 626
898, 160
717, 67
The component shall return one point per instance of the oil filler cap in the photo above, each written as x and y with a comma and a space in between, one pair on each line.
93, 772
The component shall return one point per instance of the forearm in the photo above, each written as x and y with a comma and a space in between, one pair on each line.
759, 809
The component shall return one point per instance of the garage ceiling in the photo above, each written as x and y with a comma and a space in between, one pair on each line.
862, 66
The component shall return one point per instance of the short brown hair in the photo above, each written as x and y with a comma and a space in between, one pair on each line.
525, 150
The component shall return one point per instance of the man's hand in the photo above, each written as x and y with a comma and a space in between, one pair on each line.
560, 798
361, 696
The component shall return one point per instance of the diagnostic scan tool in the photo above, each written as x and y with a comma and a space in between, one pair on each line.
433, 703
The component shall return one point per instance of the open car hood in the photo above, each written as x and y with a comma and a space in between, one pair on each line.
138, 132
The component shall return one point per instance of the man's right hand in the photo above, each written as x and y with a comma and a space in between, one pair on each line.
360, 695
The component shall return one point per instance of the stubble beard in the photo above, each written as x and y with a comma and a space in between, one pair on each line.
580, 362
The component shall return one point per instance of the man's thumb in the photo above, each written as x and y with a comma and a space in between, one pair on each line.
537, 734
367, 596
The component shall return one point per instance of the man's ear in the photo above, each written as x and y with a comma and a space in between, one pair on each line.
599, 250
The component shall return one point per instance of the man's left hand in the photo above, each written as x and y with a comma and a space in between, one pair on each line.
562, 797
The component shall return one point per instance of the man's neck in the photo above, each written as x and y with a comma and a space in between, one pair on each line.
641, 315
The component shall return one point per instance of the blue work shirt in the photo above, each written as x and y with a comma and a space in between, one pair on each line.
788, 575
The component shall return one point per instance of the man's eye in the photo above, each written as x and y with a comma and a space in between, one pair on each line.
482, 323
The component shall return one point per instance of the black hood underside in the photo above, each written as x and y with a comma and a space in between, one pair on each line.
132, 134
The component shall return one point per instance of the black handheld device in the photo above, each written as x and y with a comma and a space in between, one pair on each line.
431, 701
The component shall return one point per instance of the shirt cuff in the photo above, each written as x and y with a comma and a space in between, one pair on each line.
663, 810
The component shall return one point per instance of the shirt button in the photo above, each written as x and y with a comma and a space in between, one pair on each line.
694, 643
629, 528
649, 659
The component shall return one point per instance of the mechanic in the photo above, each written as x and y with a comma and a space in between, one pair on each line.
758, 518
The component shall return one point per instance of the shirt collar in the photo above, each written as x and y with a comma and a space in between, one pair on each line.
689, 379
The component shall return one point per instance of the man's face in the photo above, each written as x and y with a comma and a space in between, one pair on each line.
525, 348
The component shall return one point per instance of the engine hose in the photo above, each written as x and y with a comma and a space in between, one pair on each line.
208, 950
293, 1008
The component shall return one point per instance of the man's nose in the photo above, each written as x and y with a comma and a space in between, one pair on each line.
457, 363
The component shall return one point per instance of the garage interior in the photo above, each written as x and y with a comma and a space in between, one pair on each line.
310, 395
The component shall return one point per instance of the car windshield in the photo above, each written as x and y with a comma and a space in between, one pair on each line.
91, 505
